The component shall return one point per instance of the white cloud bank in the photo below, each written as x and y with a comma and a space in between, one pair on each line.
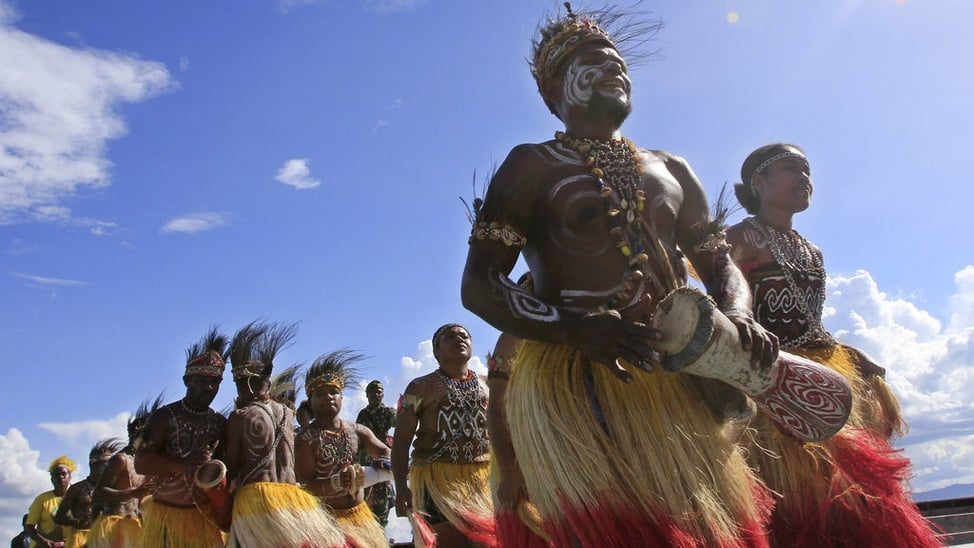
928, 365
58, 110
295, 172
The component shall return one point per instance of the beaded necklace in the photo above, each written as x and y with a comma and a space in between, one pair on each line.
793, 253
465, 403
334, 447
617, 168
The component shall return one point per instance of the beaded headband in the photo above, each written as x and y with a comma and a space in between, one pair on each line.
210, 364
332, 369
776, 157
577, 32
253, 368
323, 381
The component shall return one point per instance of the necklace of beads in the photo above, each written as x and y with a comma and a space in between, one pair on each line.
793, 253
465, 398
617, 168
335, 447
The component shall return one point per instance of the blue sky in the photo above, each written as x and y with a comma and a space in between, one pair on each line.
165, 167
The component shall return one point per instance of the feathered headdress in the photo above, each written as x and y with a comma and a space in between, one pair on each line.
208, 357
256, 345
137, 421
558, 38
63, 460
332, 369
105, 448
284, 386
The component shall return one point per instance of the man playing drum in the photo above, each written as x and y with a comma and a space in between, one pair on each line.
178, 438
613, 451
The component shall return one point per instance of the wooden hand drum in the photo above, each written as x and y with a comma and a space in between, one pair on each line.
807, 400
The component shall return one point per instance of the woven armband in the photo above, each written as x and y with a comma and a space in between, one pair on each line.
712, 242
494, 232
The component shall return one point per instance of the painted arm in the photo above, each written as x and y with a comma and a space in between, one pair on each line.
488, 291
711, 259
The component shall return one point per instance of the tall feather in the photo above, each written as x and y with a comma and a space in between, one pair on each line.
244, 344
275, 338
338, 364
284, 385
213, 340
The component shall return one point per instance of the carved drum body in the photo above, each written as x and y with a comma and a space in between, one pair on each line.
807, 400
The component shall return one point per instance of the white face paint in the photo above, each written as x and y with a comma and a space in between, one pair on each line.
582, 77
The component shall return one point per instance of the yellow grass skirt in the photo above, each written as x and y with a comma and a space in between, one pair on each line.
460, 491
110, 531
654, 467
281, 515
170, 527
361, 528
77, 538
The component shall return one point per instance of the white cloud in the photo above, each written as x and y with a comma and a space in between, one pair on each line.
385, 7
83, 434
21, 477
928, 366
48, 282
295, 172
194, 222
59, 109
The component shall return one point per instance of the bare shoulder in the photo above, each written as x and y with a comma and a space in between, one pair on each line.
423, 386
745, 241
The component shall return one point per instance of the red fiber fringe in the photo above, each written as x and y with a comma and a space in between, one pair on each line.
868, 504
482, 530
604, 524
513, 532
427, 537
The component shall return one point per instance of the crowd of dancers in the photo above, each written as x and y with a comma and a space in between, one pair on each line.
603, 431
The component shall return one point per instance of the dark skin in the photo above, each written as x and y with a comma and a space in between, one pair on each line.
568, 244
326, 404
75, 510
453, 351
510, 489
61, 480
120, 488
251, 455
784, 189
153, 460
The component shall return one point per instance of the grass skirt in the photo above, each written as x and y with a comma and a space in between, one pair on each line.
361, 528
171, 527
461, 493
110, 531
615, 464
848, 490
281, 515
77, 538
